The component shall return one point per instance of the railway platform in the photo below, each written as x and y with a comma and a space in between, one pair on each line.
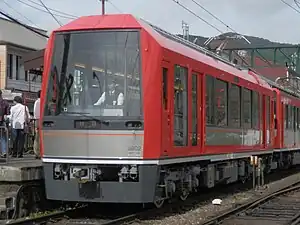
21, 169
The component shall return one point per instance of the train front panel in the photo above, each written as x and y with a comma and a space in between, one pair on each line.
93, 125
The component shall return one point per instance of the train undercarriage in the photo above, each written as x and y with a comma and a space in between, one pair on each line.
22, 200
153, 183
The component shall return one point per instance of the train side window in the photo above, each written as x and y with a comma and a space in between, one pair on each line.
194, 110
286, 120
234, 100
209, 99
165, 88
255, 110
298, 118
180, 106
221, 102
290, 117
247, 108
294, 118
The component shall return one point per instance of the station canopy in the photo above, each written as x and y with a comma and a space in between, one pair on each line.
34, 62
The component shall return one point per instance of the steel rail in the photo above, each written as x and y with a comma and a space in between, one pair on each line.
45, 218
254, 203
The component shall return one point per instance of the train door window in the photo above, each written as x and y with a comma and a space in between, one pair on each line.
268, 111
255, 110
247, 108
165, 88
234, 101
194, 110
209, 99
275, 115
221, 102
268, 119
180, 106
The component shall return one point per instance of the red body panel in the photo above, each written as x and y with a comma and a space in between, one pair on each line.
158, 52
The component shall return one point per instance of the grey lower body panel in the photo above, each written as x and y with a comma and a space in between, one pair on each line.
142, 191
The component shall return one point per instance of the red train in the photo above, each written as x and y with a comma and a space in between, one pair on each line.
133, 114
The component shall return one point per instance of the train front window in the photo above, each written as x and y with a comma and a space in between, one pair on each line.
95, 73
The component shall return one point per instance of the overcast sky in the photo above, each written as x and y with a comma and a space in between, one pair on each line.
269, 19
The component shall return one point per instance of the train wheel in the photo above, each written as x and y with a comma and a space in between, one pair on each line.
184, 195
158, 202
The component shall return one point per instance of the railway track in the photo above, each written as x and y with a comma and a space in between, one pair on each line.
281, 207
82, 214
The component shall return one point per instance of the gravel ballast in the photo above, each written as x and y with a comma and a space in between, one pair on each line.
205, 209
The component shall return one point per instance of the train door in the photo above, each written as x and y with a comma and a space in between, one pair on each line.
272, 122
269, 121
166, 118
195, 123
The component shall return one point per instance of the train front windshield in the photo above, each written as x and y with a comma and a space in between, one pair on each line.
95, 73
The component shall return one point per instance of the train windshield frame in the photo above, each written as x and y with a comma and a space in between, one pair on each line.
95, 73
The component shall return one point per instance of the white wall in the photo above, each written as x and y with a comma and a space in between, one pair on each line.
15, 34
20, 84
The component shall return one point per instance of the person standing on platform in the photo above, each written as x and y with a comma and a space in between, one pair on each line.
36, 114
19, 115
4, 111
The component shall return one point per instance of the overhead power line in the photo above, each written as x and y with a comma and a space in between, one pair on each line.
202, 7
50, 13
26, 18
54, 10
114, 6
289, 5
22, 24
297, 2
190, 11
45, 11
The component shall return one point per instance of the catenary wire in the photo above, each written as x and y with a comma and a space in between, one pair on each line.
190, 11
22, 24
54, 10
62, 16
289, 5
114, 6
50, 13
202, 7
12, 8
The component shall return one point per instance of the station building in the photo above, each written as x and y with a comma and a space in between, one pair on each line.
15, 43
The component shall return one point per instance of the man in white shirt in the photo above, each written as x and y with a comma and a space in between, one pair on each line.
19, 115
113, 98
36, 114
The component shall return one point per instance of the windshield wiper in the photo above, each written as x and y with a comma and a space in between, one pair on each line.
89, 117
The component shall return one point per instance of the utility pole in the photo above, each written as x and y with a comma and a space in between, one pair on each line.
103, 7
185, 30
